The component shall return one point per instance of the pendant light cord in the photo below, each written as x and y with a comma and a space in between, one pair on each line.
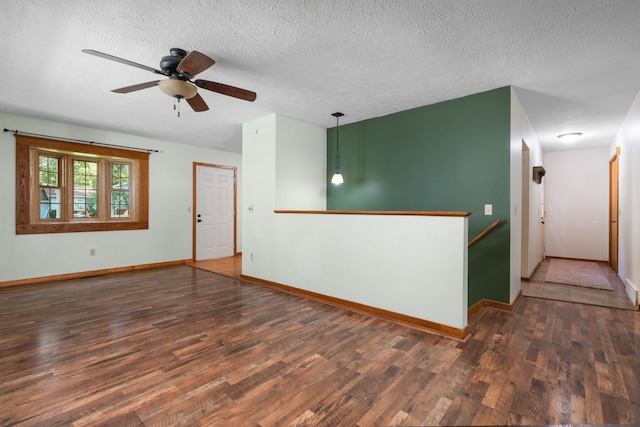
337, 144
337, 115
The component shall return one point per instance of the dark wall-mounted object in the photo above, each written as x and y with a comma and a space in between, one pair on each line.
538, 173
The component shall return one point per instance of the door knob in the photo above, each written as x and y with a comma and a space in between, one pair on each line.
199, 220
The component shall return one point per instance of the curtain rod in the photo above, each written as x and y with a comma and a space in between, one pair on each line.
82, 141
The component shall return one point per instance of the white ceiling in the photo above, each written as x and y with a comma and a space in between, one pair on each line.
575, 63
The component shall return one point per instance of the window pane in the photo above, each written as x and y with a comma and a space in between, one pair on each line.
85, 189
119, 204
120, 177
48, 171
50, 201
50, 197
53, 164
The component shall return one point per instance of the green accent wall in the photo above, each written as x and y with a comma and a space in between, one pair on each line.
450, 156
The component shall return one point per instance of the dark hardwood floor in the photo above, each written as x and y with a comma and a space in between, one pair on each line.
184, 346
231, 266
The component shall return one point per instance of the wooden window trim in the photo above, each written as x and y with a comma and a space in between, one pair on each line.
25, 199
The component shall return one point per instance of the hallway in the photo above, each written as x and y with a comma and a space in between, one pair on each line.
538, 288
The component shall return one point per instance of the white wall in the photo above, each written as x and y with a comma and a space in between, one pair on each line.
358, 258
352, 257
577, 204
301, 166
521, 130
628, 139
169, 237
259, 192
284, 163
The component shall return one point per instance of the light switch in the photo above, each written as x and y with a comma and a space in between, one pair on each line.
488, 209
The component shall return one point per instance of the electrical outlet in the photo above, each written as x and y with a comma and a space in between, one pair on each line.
488, 209
92, 252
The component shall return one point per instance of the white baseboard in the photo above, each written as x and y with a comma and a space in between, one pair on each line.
632, 292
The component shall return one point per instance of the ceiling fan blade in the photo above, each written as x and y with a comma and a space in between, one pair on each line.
194, 63
120, 60
197, 103
133, 88
233, 91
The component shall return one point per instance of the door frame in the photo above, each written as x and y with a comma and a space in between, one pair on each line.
195, 204
614, 211
525, 209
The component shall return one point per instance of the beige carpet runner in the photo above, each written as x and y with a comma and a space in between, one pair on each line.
577, 273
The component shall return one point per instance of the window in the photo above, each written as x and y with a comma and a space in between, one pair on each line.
119, 191
68, 187
50, 197
85, 189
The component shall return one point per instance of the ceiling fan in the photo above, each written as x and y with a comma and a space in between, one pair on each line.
181, 68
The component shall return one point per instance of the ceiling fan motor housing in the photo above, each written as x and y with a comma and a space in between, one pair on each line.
169, 63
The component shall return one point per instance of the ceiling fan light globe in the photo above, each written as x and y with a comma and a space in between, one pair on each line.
178, 88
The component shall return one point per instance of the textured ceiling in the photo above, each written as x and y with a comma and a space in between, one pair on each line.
575, 63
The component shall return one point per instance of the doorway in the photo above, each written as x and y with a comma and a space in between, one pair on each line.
532, 248
525, 272
214, 212
613, 210
541, 218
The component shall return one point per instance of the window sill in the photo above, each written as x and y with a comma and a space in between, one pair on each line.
67, 227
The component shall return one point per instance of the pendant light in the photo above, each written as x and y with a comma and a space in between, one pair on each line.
337, 179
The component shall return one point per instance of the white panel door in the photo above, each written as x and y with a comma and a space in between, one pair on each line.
215, 205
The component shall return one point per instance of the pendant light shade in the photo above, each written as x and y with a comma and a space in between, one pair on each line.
337, 178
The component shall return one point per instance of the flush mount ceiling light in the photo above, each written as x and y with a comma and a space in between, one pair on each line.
337, 179
570, 137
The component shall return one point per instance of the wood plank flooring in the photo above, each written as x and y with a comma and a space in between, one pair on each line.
183, 346
538, 288
231, 266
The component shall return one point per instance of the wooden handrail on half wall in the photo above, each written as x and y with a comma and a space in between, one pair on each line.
393, 213
485, 232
